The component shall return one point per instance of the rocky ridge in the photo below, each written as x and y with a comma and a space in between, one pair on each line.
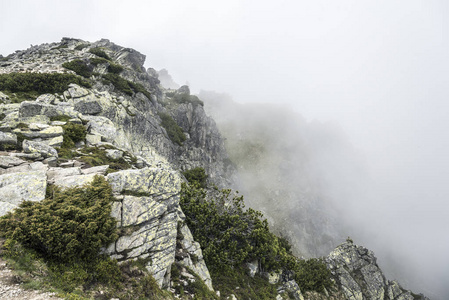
127, 127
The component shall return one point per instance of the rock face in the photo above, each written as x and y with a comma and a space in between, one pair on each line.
357, 274
128, 127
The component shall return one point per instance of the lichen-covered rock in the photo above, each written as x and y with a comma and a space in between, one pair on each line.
7, 138
101, 126
39, 148
45, 133
21, 186
194, 258
357, 274
10, 161
73, 180
293, 289
149, 219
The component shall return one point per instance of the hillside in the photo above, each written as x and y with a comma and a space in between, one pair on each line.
112, 186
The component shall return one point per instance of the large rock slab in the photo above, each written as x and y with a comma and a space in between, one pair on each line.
21, 186
357, 274
152, 181
40, 148
10, 161
73, 180
149, 216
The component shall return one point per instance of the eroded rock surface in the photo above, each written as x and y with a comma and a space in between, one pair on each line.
356, 272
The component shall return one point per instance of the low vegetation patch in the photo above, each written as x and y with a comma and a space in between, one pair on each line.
39, 83
174, 132
81, 47
185, 98
231, 236
96, 156
196, 176
79, 66
123, 85
185, 286
55, 245
99, 52
73, 133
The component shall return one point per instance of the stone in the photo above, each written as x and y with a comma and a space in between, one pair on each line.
49, 132
272, 277
58, 123
137, 210
93, 139
4, 98
100, 170
193, 249
90, 107
355, 270
54, 142
7, 138
46, 98
114, 153
59, 173
76, 91
154, 181
293, 289
101, 126
74, 180
10, 161
40, 148
253, 268
21, 186
51, 161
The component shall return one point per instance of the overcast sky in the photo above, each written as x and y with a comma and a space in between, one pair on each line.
378, 68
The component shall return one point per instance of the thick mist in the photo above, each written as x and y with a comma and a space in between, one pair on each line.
369, 78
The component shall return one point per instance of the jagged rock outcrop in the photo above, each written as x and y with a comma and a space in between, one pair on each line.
357, 274
125, 127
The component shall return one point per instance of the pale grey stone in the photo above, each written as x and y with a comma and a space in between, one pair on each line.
253, 268
100, 170
293, 289
88, 107
93, 139
40, 148
74, 180
114, 153
21, 186
54, 174
46, 98
101, 126
51, 161
7, 138
49, 132
10, 161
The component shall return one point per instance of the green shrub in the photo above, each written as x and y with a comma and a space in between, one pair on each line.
185, 98
73, 133
229, 236
254, 288
40, 83
196, 175
79, 66
99, 52
174, 132
114, 68
81, 46
70, 226
119, 83
96, 156
98, 61
312, 275
62, 118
